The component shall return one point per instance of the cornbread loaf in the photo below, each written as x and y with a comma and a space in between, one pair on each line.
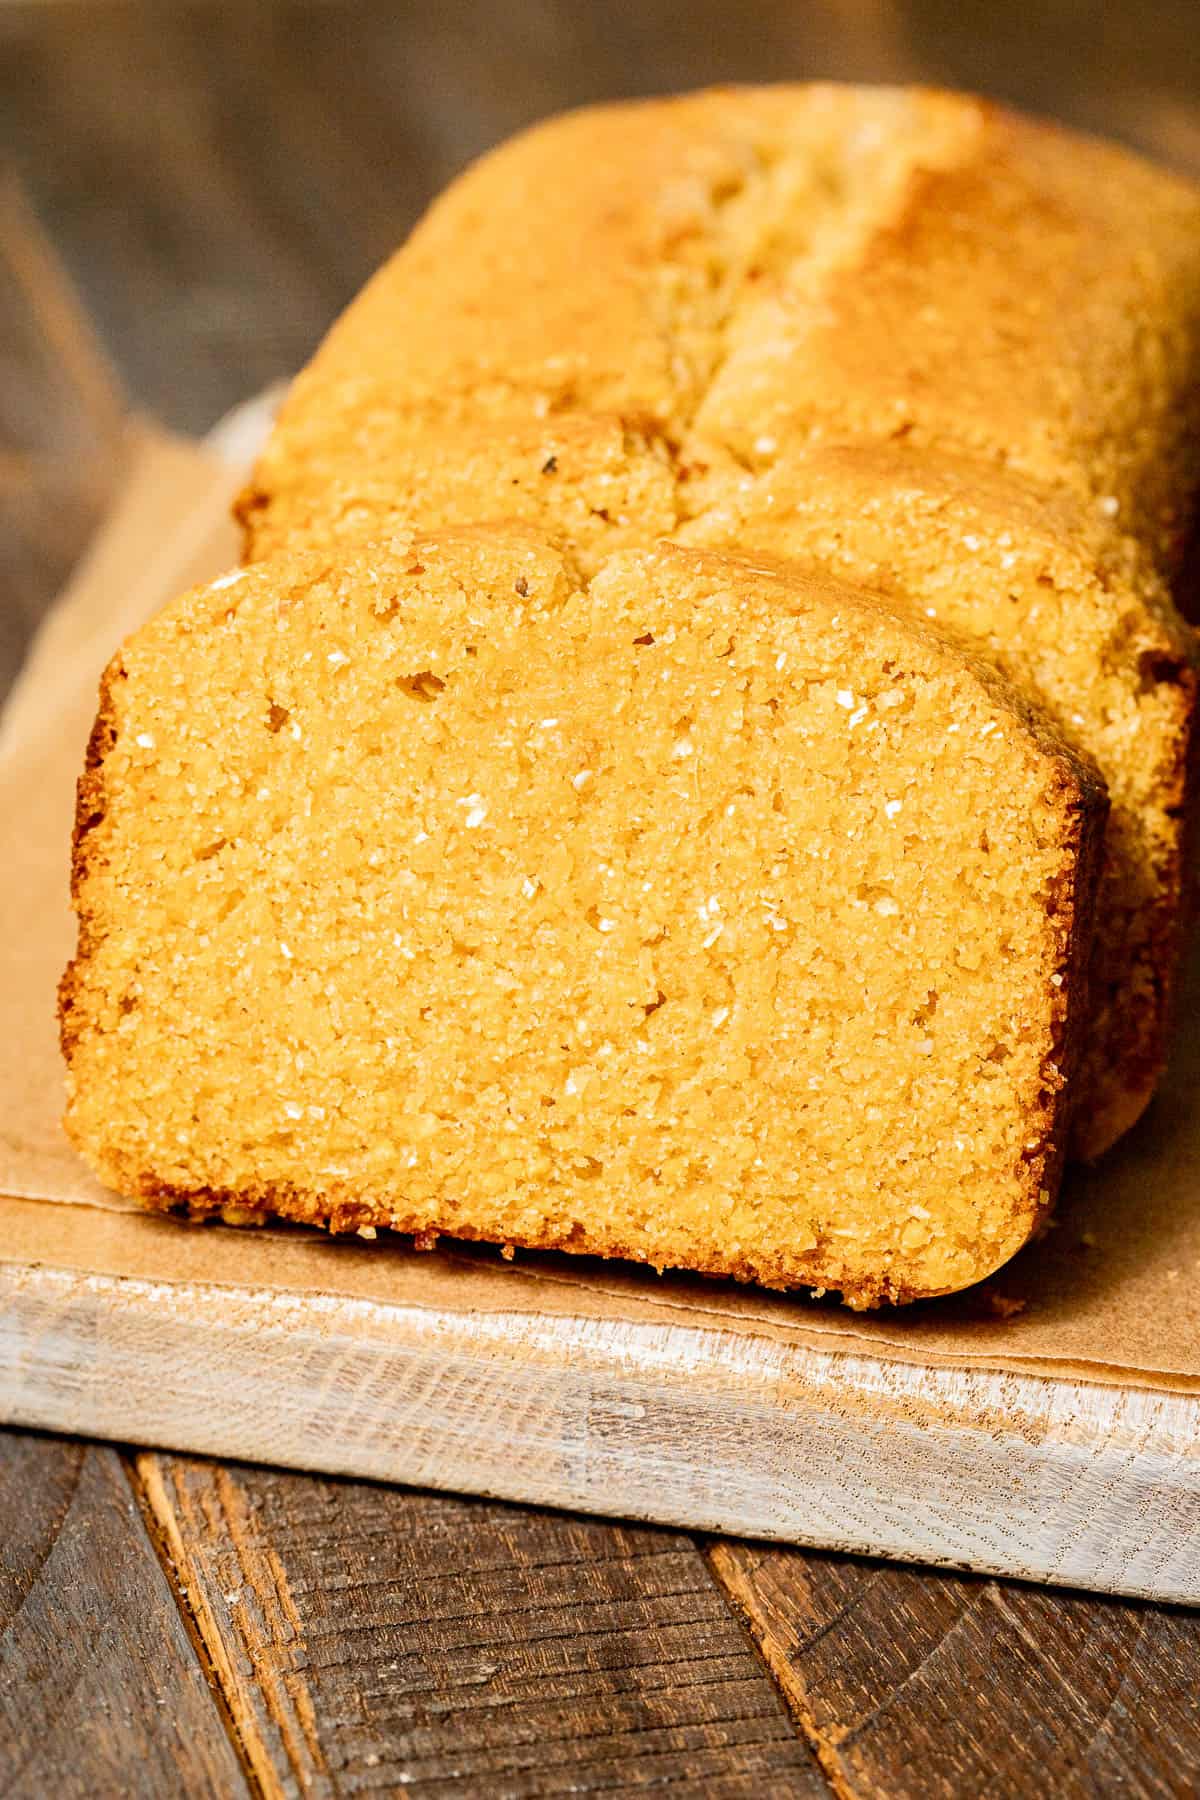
697, 912
899, 334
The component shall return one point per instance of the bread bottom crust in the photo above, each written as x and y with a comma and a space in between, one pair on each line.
345, 1217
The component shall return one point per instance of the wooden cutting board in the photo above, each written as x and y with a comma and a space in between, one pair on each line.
577, 1387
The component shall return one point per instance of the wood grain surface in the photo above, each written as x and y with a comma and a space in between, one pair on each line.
914, 1688
393, 1639
101, 1688
217, 179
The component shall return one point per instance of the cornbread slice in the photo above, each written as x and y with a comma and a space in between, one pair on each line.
698, 914
596, 483
1070, 611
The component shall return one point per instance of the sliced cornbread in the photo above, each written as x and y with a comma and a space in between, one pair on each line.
595, 483
698, 914
1070, 611
745, 274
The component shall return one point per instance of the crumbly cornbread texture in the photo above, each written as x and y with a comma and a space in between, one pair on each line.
900, 334
1071, 613
696, 913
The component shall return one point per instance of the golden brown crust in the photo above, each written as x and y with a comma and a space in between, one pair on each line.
1170, 923
1035, 301
523, 297
760, 264
90, 806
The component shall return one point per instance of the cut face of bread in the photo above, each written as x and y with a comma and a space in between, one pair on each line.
1070, 611
596, 483
700, 915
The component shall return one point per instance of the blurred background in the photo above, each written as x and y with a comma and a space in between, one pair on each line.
192, 190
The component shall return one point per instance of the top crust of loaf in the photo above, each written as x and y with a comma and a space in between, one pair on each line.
766, 264
523, 295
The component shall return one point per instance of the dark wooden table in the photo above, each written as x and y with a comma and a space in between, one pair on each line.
216, 180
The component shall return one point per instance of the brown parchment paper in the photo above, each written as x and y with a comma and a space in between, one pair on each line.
1111, 1293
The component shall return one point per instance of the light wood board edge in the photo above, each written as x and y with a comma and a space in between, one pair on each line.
1073, 1483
